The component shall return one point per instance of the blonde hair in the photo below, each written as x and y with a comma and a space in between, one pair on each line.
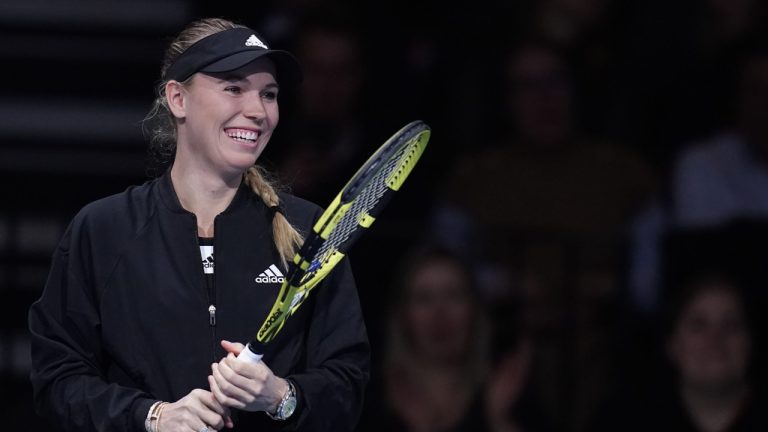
163, 136
287, 239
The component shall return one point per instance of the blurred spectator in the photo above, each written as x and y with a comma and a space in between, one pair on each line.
437, 352
726, 176
715, 183
590, 31
325, 143
545, 174
547, 193
548, 206
709, 347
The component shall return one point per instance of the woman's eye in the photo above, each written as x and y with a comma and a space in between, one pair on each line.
269, 95
233, 89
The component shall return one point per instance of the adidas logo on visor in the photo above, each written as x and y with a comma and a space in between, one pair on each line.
271, 275
254, 41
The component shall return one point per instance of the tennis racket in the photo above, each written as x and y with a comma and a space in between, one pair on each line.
348, 216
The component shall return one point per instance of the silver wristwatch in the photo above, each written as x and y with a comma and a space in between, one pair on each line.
287, 404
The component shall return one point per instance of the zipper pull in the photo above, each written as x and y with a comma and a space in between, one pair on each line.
212, 315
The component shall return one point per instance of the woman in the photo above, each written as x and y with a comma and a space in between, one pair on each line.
437, 358
710, 348
710, 384
126, 334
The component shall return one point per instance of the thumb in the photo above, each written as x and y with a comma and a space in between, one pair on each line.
232, 347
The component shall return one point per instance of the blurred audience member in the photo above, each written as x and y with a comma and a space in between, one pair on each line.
544, 174
709, 348
325, 144
553, 202
437, 353
715, 183
726, 177
589, 31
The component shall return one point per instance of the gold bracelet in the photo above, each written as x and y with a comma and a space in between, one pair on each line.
150, 413
156, 417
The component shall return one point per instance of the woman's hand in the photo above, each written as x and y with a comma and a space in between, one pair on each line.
504, 388
193, 412
245, 385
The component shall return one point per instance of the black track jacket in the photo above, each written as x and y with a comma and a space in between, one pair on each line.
124, 317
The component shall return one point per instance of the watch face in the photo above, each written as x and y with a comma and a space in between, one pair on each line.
288, 408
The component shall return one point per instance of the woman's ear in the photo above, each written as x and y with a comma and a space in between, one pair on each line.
175, 95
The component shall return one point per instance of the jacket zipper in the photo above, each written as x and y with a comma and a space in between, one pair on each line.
211, 292
212, 297
212, 315
212, 310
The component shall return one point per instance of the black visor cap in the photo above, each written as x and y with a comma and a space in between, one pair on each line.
229, 50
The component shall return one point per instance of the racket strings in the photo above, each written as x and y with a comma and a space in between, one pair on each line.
366, 200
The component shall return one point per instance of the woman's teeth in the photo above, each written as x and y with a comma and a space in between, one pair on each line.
242, 135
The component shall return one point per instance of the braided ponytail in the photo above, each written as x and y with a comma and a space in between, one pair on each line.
287, 239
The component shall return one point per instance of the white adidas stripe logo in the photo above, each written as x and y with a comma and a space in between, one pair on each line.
271, 275
254, 41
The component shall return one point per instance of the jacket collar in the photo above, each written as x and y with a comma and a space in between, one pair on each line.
171, 201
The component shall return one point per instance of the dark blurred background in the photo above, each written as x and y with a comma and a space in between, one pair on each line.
588, 158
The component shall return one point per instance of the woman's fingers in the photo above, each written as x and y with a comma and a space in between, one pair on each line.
221, 397
232, 384
193, 411
211, 402
232, 347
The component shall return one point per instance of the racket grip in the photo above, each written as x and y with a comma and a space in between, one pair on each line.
247, 354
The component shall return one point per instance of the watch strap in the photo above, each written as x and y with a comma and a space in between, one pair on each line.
288, 397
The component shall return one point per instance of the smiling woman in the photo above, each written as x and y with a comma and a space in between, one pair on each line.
226, 84
223, 125
225, 122
132, 332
